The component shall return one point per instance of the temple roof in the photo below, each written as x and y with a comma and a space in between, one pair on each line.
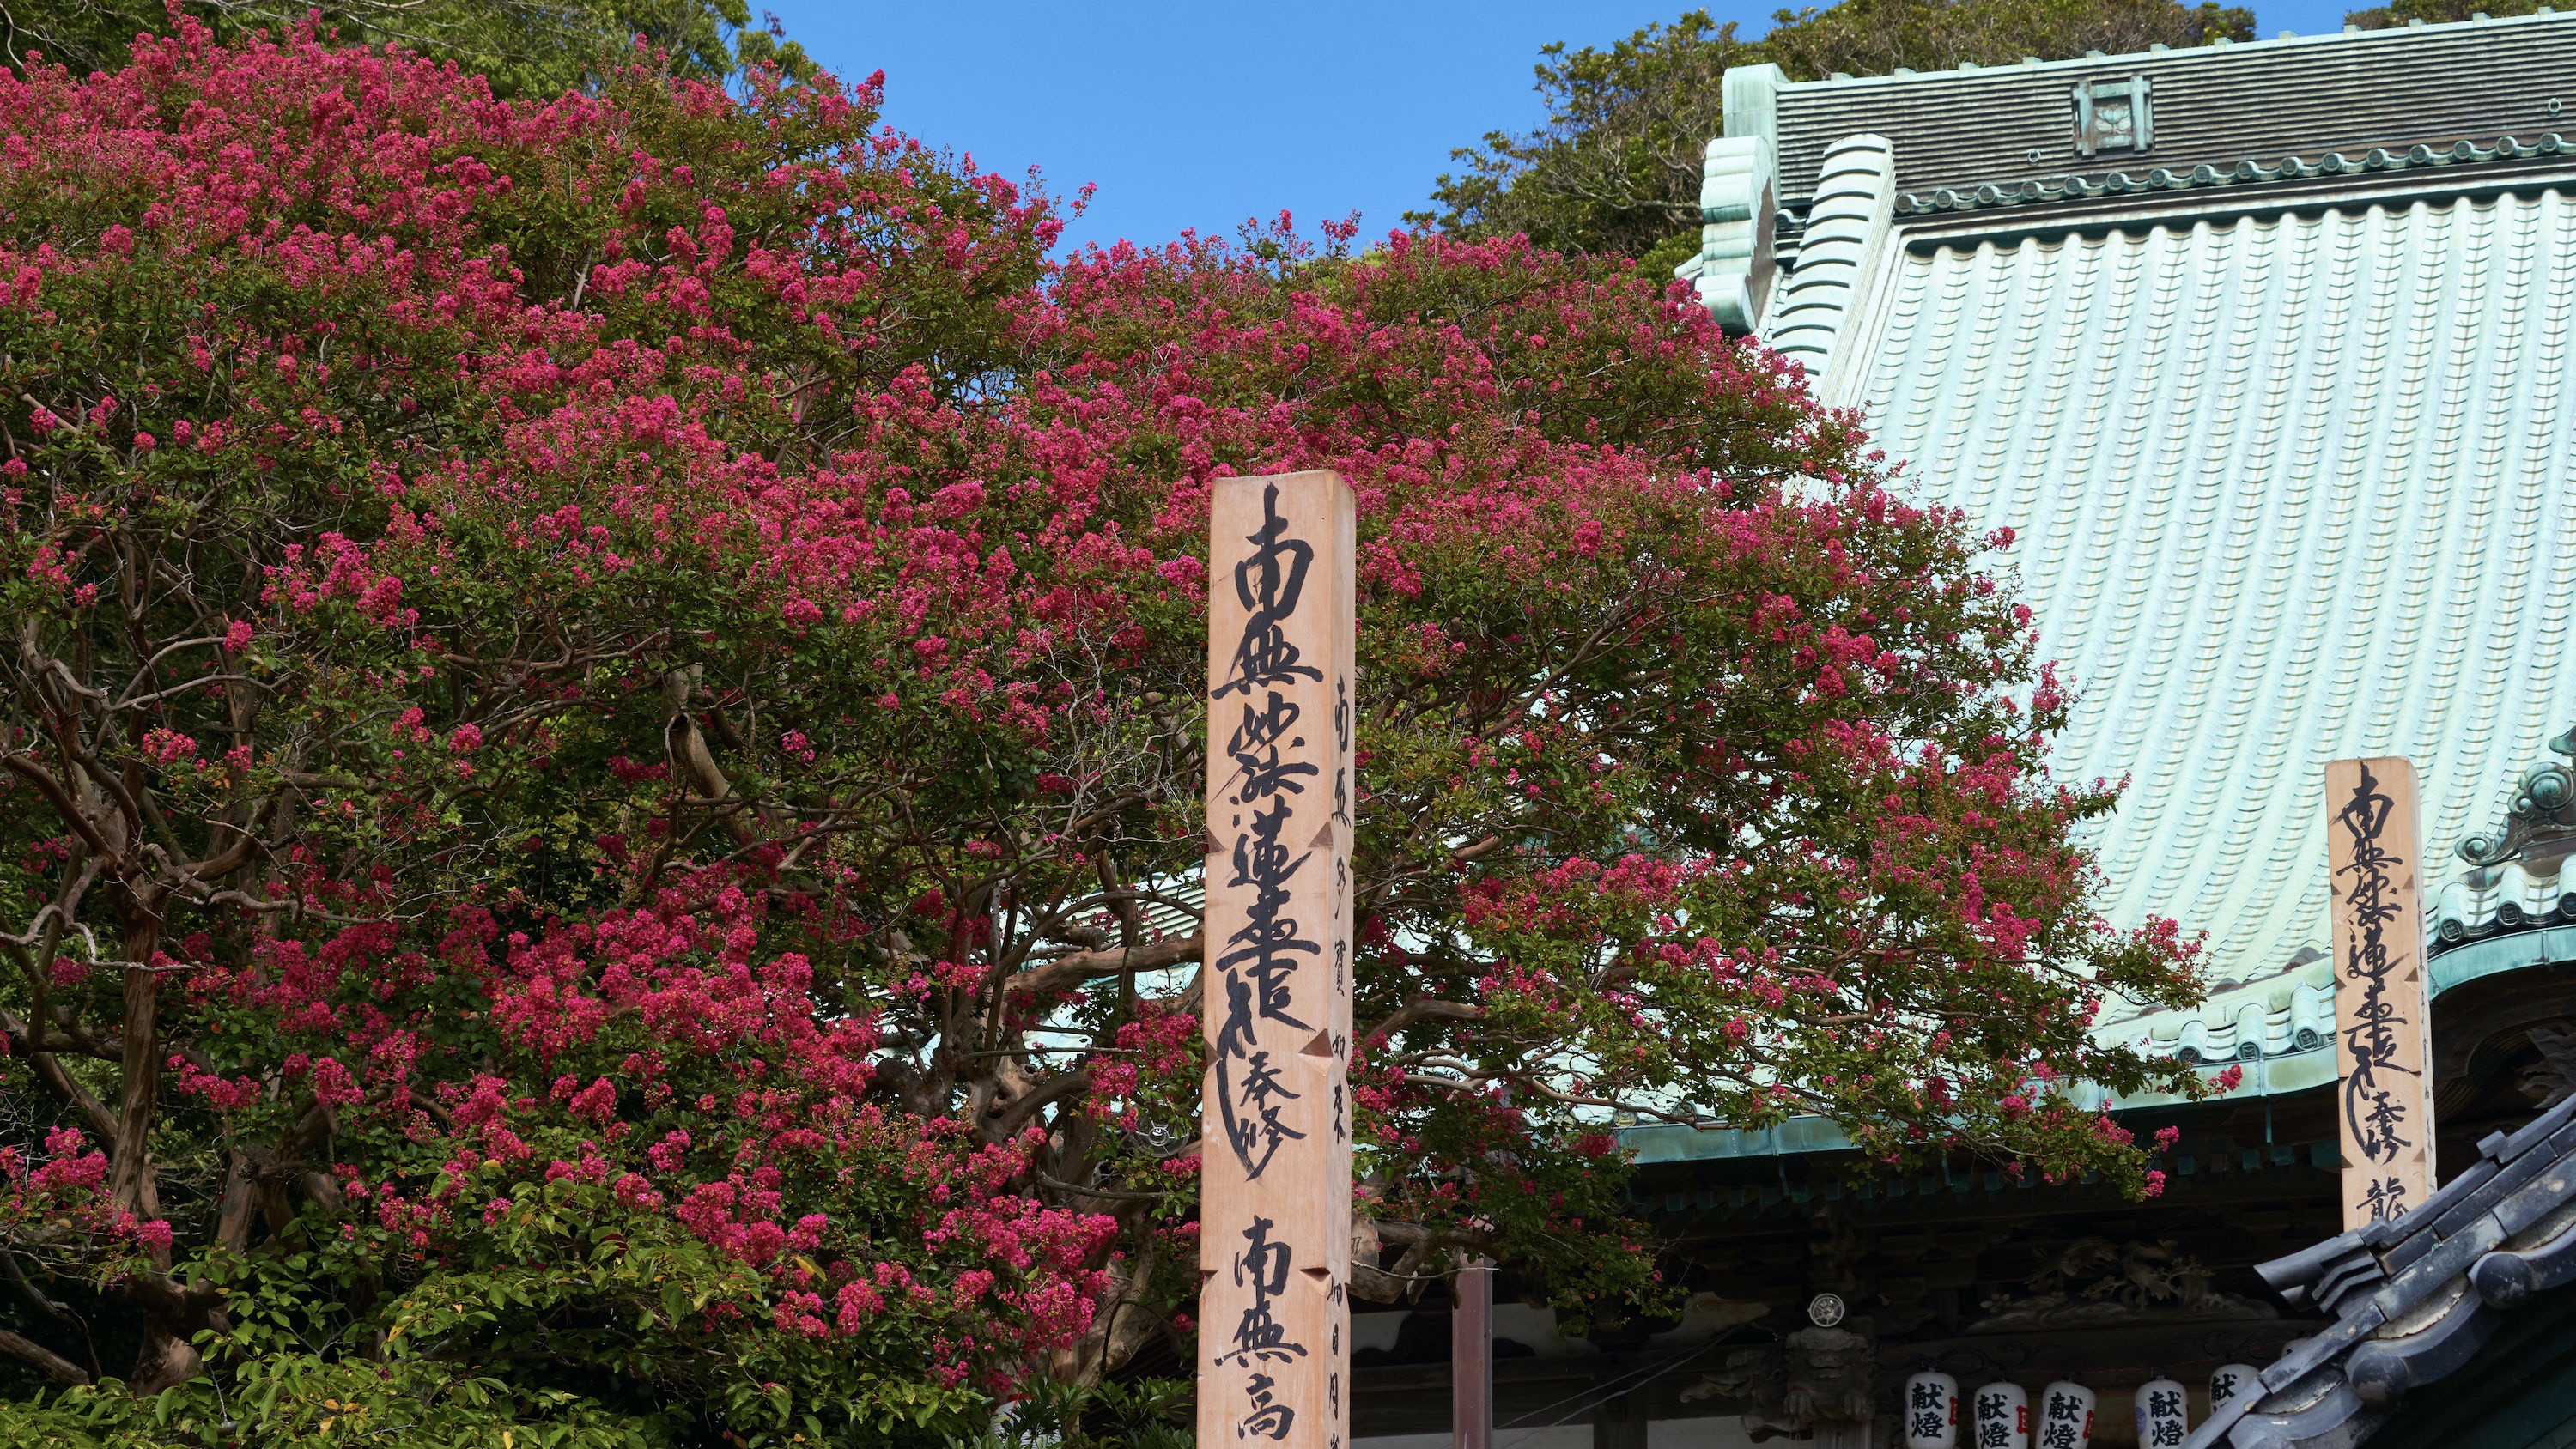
2212, 105
2285, 482
2413, 1299
2274, 390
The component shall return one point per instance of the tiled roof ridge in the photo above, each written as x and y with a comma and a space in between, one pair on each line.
2245, 172
2276, 1012
2414, 1297
2349, 35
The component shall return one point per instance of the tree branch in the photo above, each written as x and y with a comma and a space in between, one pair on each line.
94, 1114
1065, 972
51, 1364
1054, 1089
57, 1312
1425, 1010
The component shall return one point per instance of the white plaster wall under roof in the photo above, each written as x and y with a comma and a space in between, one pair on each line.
2289, 485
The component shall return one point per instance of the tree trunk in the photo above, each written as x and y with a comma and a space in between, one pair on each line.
171, 1315
139, 1085
167, 1361
1122, 1324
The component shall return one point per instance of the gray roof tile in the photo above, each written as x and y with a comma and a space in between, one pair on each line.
2211, 106
2480, 1247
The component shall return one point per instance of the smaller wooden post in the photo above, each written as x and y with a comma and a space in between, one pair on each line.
1471, 1357
2383, 1017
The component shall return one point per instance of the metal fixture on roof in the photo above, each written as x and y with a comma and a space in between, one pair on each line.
2112, 116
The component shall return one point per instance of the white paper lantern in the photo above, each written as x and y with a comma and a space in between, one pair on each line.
1931, 1412
2065, 1417
2001, 1417
2164, 1414
2231, 1379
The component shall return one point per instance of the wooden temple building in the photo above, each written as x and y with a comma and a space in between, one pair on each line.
2264, 351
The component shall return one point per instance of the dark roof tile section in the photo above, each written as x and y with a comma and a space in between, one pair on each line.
2388, 90
2414, 1298
2286, 168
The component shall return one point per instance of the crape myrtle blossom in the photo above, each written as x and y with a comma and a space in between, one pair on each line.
603, 757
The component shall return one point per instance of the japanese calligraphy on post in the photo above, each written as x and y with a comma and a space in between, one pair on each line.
2382, 1020
1275, 1175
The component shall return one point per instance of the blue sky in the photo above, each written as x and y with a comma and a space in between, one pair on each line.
1201, 115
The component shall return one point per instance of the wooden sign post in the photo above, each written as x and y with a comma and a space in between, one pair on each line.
2383, 1020
1275, 1174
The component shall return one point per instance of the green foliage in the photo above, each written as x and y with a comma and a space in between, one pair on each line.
566, 1276
296, 1400
1616, 167
2438, 12
1147, 1413
1875, 37
536, 48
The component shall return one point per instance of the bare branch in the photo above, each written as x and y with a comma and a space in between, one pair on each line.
1066, 972
1424, 1010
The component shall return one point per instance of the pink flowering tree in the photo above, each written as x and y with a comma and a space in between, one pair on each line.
600, 745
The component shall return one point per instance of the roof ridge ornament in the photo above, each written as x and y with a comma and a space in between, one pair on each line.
1738, 193
2543, 810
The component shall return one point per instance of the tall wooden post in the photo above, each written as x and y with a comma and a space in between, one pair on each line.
1471, 1356
1275, 1175
2383, 1017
